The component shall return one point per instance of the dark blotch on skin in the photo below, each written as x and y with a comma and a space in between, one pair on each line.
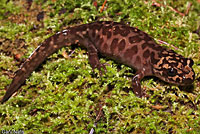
116, 30
82, 28
134, 50
106, 31
151, 46
146, 54
153, 59
124, 31
191, 62
146, 37
165, 61
165, 74
157, 47
144, 45
114, 44
109, 34
121, 45
177, 79
184, 62
96, 26
130, 52
134, 39
175, 64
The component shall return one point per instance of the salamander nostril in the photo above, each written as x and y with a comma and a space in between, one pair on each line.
187, 81
183, 78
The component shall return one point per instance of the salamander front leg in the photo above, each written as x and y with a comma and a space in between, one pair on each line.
136, 83
94, 59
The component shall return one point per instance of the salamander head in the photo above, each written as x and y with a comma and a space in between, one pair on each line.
173, 68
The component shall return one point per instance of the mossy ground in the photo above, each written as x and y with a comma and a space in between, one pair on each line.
64, 96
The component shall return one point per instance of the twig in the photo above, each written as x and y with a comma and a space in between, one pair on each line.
163, 42
71, 53
103, 6
92, 129
175, 10
171, 8
98, 117
188, 8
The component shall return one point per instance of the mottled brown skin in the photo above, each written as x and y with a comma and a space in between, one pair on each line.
122, 43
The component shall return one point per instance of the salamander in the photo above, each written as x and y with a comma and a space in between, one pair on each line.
122, 43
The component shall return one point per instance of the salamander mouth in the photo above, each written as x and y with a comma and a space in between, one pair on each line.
187, 81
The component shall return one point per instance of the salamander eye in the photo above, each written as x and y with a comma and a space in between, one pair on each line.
171, 72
